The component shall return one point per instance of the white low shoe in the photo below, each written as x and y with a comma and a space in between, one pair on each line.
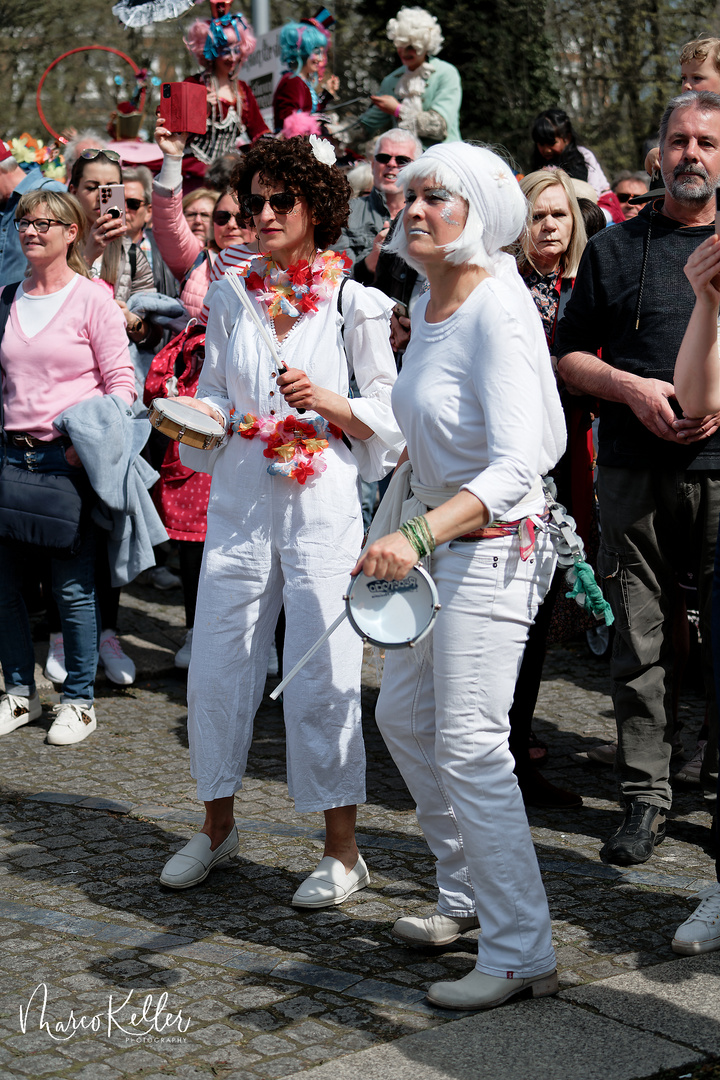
435, 929
480, 991
73, 722
55, 663
192, 863
119, 668
16, 711
330, 885
182, 656
701, 931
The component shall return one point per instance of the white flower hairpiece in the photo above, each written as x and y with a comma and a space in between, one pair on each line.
500, 177
322, 150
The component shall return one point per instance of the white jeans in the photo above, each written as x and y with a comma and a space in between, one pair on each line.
445, 722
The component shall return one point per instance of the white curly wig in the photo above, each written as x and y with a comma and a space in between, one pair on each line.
417, 27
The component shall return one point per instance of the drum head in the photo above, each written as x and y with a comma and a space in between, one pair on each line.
186, 416
393, 614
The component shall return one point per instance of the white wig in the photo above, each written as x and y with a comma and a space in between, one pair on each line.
497, 208
417, 27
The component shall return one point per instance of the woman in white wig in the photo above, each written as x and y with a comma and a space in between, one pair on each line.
477, 403
424, 94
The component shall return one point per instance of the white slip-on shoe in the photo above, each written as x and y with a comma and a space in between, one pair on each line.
74, 721
480, 991
434, 929
55, 663
119, 668
329, 885
701, 931
16, 710
192, 863
182, 656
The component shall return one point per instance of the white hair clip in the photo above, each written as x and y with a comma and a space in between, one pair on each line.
323, 150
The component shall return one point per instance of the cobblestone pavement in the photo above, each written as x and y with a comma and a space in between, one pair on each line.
255, 988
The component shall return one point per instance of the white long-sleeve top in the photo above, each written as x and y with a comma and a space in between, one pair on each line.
477, 402
239, 372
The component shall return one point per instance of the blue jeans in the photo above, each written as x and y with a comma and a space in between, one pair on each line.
73, 584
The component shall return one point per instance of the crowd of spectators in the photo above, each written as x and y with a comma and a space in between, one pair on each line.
616, 284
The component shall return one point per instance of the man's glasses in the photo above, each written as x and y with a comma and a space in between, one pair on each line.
281, 202
222, 217
623, 196
204, 215
93, 152
135, 204
40, 225
400, 159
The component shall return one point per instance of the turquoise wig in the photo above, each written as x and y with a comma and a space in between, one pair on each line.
298, 40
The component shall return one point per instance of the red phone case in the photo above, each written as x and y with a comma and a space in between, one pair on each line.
184, 108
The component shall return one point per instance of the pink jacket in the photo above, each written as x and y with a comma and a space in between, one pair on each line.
180, 247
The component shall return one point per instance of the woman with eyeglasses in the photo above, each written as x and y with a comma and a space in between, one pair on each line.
197, 208
477, 402
284, 521
63, 344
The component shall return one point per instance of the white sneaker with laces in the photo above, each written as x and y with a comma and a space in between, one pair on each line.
163, 579
74, 721
16, 710
182, 656
55, 663
119, 668
690, 771
701, 932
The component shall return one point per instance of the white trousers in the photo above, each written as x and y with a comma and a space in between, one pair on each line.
275, 543
445, 722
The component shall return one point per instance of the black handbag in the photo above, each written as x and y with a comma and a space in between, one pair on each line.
42, 509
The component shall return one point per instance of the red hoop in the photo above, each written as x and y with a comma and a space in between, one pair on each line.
82, 48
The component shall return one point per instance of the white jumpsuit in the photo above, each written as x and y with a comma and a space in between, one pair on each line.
271, 541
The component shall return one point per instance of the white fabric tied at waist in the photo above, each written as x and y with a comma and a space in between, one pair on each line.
406, 498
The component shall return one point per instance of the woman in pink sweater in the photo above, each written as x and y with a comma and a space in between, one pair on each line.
64, 342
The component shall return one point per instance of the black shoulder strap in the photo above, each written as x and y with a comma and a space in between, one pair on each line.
132, 256
6, 299
351, 375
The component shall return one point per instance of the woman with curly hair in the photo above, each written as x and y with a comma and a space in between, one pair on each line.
284, 520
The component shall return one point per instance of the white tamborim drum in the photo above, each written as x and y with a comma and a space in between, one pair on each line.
182, 423
393, 614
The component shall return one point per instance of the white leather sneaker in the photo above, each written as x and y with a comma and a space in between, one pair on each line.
701, 931
182, 656
74, 721
16, 711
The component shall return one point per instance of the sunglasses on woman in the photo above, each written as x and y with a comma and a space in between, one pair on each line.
281, 202
222, 217
400, 160
93, 152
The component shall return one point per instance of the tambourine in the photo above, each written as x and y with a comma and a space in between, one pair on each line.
179, 421
393, 614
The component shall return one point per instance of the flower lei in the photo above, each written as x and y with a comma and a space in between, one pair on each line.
297, 290
295, 445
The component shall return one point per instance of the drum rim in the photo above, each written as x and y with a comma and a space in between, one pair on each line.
408, 643
160, 406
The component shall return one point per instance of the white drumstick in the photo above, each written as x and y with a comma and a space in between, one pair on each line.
308, 656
